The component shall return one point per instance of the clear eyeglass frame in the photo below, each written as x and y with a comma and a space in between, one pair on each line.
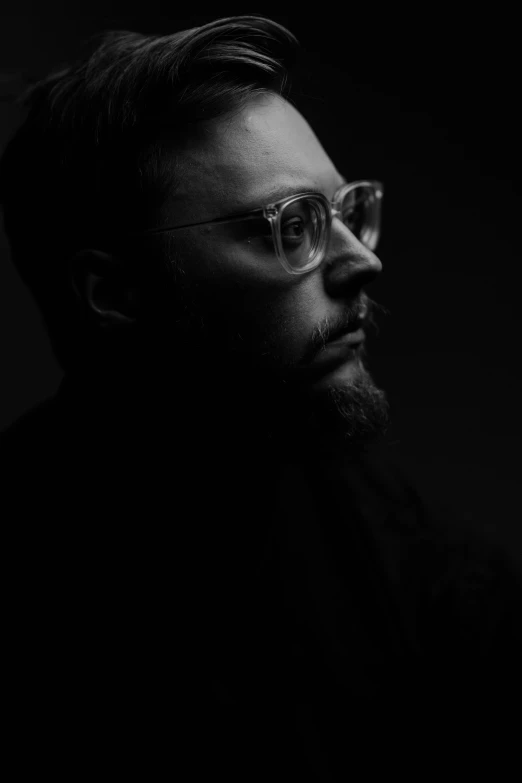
326, 210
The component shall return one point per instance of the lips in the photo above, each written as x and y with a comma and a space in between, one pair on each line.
344, 345
350, 337
355, 326
334, 354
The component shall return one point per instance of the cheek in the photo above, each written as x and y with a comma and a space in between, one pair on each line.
268, 308
285, 320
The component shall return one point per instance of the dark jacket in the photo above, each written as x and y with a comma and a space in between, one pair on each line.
251, 607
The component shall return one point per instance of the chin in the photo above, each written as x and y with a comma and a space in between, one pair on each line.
363, 409
350, 406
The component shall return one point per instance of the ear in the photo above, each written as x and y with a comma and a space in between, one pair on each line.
105, 287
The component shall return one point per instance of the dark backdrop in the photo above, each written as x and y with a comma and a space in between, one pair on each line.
426, 100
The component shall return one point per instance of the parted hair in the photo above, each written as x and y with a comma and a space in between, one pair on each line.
89, 160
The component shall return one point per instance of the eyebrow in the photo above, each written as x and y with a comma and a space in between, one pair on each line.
284, 192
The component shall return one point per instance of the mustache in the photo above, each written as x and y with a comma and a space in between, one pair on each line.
361, 312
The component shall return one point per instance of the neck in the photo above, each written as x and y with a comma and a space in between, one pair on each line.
223, 408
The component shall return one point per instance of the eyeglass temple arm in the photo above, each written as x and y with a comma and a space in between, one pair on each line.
246, 216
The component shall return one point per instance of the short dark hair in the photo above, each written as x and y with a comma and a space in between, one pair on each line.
89, 159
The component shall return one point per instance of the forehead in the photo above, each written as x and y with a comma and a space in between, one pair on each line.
265, 146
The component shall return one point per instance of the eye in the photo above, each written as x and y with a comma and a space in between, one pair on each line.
293, 228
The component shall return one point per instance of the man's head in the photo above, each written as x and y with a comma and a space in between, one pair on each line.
177, 133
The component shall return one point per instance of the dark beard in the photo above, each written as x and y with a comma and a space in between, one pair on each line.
354, 414
224, 376
290, 417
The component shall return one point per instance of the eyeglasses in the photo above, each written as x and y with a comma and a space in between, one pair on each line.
301, 224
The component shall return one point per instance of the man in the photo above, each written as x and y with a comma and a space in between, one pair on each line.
206, 527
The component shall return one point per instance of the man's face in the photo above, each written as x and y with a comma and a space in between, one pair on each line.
242, 311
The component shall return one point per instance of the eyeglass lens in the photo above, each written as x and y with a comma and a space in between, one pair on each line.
303, 223
301, 231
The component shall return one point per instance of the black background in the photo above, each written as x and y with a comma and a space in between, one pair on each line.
426, 99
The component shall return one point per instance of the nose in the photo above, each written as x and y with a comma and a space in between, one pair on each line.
348, 263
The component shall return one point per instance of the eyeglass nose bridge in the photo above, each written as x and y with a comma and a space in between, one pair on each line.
332, 213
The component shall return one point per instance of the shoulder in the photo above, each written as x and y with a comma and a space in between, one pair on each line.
29, 444
468, 586
477, 596
31, 425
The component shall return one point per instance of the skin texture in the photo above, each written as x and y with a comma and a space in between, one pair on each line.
238, 164
237, 312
